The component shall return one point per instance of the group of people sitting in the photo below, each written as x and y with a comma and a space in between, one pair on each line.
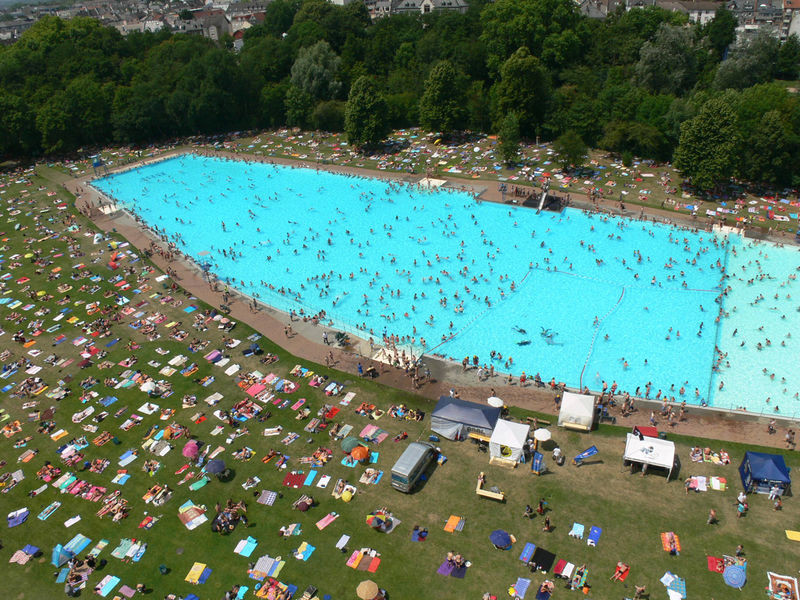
228, 517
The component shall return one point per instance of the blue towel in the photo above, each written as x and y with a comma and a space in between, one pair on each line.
204, 575
527, 552
78, 543
62, 575
108, 401
521, 586
310, 477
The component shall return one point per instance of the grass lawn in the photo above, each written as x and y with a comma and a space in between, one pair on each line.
631, 510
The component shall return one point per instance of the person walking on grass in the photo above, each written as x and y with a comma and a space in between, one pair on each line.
546, 527
712, 517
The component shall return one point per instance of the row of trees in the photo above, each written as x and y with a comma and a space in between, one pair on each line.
643, 82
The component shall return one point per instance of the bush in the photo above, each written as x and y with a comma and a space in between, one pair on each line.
627, 158
329, 116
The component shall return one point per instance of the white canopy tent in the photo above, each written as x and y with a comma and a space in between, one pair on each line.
577, 411
650, 451
507, 442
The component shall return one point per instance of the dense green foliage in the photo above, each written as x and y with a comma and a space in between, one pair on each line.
625, 84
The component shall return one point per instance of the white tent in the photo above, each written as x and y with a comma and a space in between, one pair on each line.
650, 451
507, 442
577, 411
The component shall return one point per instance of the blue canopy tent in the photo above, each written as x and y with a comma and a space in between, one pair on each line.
60, 556
760, 472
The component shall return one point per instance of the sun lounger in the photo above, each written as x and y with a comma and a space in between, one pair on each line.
577, 531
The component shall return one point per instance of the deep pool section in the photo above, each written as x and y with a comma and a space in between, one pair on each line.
580, 297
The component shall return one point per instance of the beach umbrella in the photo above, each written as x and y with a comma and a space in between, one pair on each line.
542, 435
148, 386
359, 453
349, 443
367, 590
304, 505
735, 576
347, 495
495, 402
501, 539
215, 466
191, 449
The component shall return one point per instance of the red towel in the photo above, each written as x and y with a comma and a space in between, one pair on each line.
716, 564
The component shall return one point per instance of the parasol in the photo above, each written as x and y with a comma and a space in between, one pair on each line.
215, 467
367, 590
359, 453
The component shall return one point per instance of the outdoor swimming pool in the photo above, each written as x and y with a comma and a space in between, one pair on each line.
574, 296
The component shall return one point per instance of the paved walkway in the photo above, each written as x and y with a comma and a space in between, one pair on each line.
306, 340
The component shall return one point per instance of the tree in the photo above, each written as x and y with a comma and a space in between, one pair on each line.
299, 104
750, 62
18, 133
538, 25
366, 116
186, 15
721, 31
769, 154
570, 150
272, 104
524, 88
442, 106
707, 149
314, 71
668, 64
788, 66
508, 138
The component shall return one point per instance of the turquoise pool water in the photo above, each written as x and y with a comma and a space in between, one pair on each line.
618, 300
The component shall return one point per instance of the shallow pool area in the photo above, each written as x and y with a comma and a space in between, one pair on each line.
578, 297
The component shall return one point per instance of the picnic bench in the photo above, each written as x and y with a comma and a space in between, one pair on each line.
481, 491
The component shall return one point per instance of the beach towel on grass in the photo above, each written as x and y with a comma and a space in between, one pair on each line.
453, 524
107, 584
715, 564
304, 551
245, 547
665, 541
521, 587
267, 497
527, 552
327, 520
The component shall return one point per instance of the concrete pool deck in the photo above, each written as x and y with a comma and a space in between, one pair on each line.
307, 341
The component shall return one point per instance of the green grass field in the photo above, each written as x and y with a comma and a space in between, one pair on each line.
631, 510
